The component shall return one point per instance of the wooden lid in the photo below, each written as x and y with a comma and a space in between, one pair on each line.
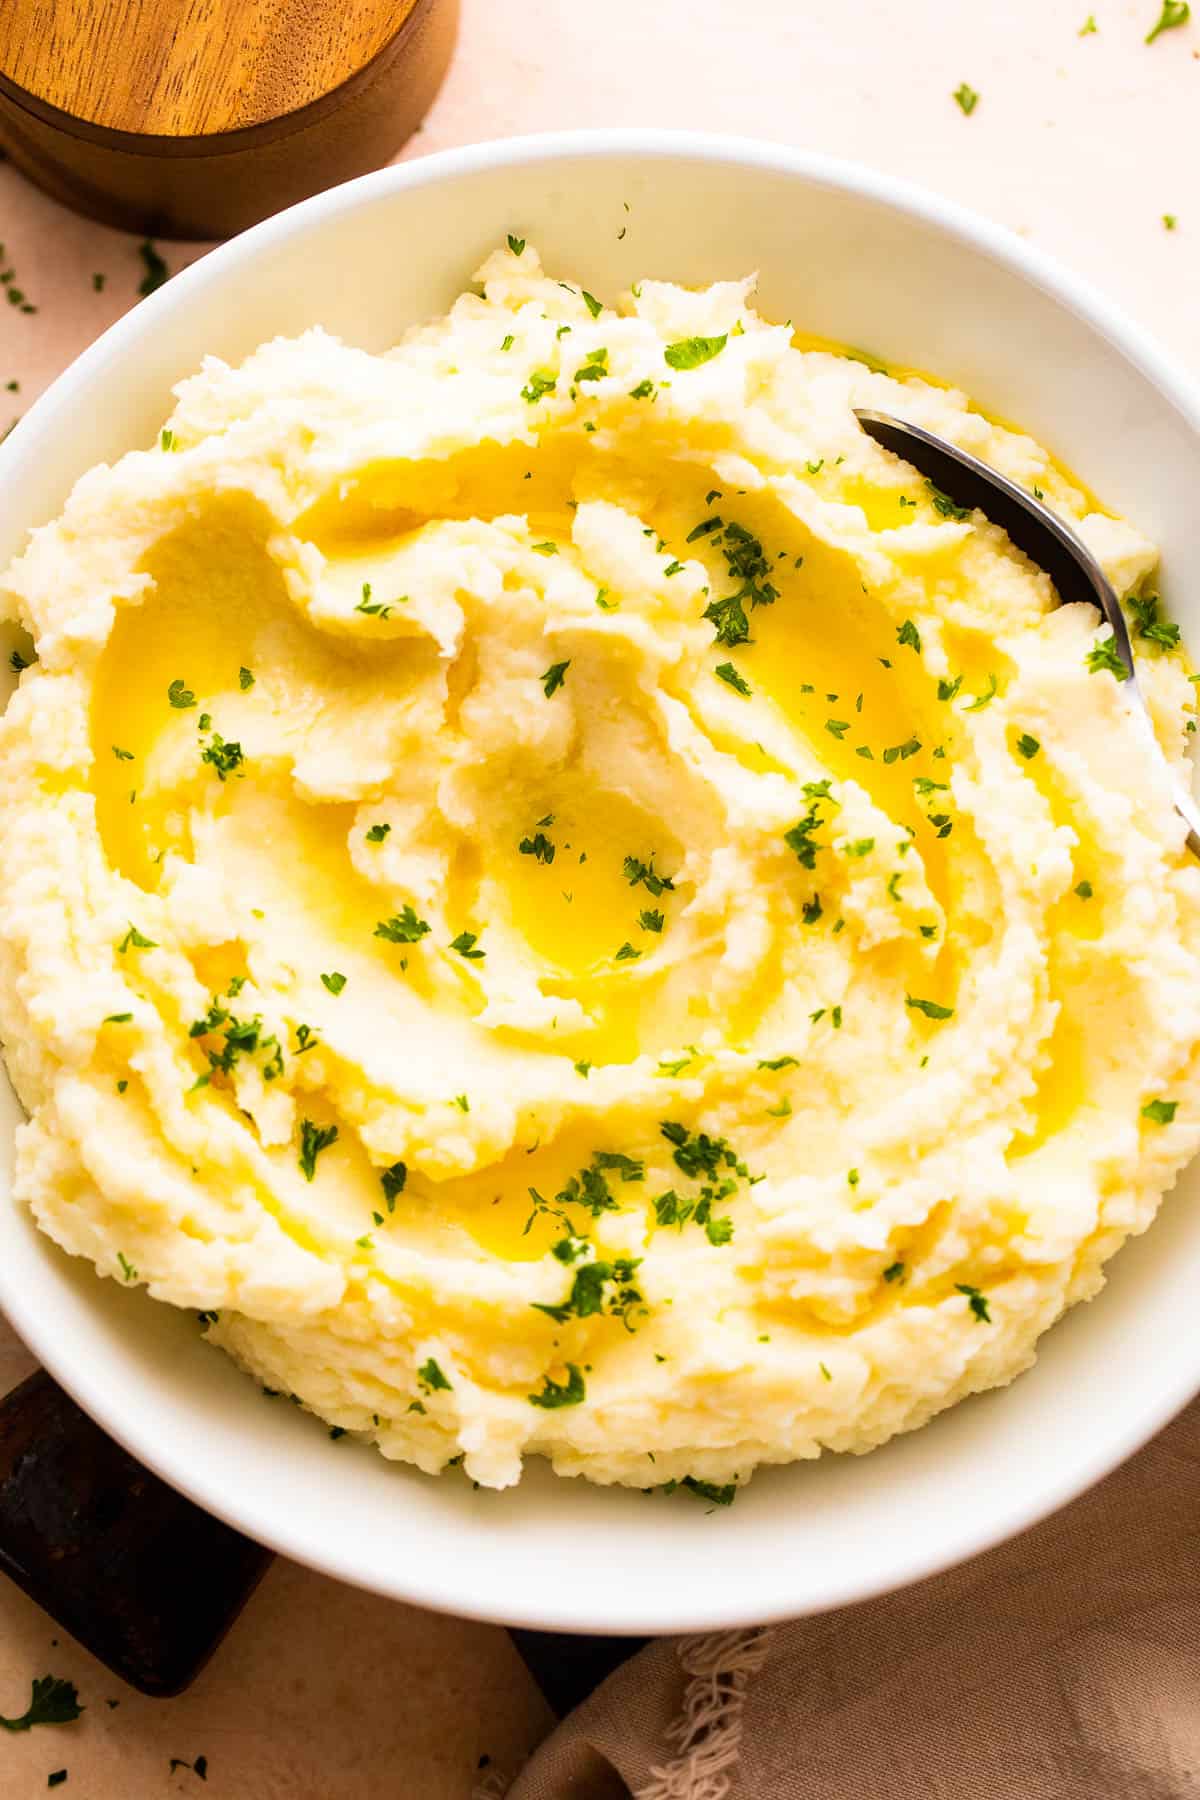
189, 68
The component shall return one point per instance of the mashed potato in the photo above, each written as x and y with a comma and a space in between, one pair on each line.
568, 903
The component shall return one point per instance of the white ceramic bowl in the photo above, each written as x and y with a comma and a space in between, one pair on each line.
853, 256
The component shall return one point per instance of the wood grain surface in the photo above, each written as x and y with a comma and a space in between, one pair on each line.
187, 68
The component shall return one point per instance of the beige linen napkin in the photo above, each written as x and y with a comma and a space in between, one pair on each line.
1062, 1666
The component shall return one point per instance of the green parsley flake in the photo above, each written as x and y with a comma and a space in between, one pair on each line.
377, 833
334, 981
314, 1139
156, 270
894, 1272
1089, 26
727, 673
989, 693
540, 383
566, 1393
1104, 655
180, 695
930, 1008
908, 634
944, 506
979, 1302
594, 306
690, 352
650, 921
636, 871
127, 1268
1160, 1112
860, 847
465, 944
554, 677
134, 939
966, 97
431, 1377
52, 1702
1085, 890
1028, 746
516, 244
1173, 14
627, 953
117, 1019
403, 927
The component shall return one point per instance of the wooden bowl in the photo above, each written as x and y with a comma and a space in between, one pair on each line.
196, 118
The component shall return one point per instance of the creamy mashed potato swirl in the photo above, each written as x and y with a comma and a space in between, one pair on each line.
568, 903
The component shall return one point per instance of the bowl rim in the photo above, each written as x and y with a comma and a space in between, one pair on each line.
424, 1583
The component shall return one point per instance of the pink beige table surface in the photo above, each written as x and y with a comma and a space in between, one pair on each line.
1083, 140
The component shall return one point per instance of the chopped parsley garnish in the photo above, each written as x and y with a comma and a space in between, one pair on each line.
226, 759
52, 1702
166, 439
690, 352
462, 1103
595, 368
561, 1393
966, 97
554, 677
18, 663
403, 927
637, 871
465, 944
837, 727
540, 383
392, 1180
314, 1139
1169, 221
509, 341
724, 1495
1105, 655
545, 549
245, 679
729, 618
334, 982
748, 565
811, 911
650, 921
1084, 889
645, 390
860, 847
908, 634
122, 755
594, 306
1028, 746
930, 1008
583, 1067
727, 673
589, 1188
605, 1288
778, 1062
1174, 13
1160, 1112
979, 1302
1089, 26
377, 833
989, 693
538, 846
516, 244
627, 953
117, 1019
902, 752
946, 690
133, 938
375, 609
180, 695
431, 1377
944, 506
127, 1268
894, 1271
1158, 631
156, 270
703, 529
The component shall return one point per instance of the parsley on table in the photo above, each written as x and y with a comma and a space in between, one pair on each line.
690, 352
1160, 1112
156, 270
966, 97
314, 1139
554, 677
1173, 14
403, 927
52, 1702
561, 1393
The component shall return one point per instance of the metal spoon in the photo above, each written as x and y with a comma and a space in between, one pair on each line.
1033, 528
